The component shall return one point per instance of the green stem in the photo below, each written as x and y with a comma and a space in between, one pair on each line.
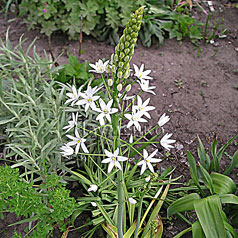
116, 144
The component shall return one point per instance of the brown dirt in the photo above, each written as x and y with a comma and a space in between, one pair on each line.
206, 105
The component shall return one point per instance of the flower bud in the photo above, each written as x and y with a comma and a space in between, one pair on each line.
127, 44
121, 46
119, 74
114, 69
120, 64
127, 74
119, 87
122, 55
127, 58
127, 51
108, 69
128, 38
115, 57
128, 88
110, 82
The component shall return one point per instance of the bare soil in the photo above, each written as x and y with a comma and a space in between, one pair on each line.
206, 104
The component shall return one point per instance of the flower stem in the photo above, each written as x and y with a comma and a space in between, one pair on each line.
116, 144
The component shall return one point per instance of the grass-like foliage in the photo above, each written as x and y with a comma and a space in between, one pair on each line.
32, 111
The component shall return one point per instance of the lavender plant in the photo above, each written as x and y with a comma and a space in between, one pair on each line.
114, 184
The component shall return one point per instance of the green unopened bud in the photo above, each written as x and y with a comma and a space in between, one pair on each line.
120, 64
127, 44
115, 57
127, 58
133, 41
112, 58
127, 73
134, 34
119, 87
132, 52
108, 69
110, 82
122, 55
128, 38
121, 46
128, 88
119, 74
122, 39
127, 51
133, 21
114, 69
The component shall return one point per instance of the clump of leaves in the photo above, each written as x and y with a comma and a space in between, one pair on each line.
32, 111
214, 200
48, 203
104, 19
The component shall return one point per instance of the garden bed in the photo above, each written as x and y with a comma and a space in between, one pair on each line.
196, 86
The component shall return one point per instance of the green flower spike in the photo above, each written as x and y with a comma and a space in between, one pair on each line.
125, 48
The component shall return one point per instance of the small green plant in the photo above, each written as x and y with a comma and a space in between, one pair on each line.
214, 198
76, 72
179, 83
47, 204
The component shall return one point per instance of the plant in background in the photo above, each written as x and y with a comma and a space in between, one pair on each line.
104, 19
47, 204
214, 202
120, 196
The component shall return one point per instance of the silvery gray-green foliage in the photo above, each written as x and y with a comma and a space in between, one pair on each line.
32, 111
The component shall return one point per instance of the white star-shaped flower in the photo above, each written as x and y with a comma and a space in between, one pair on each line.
67, 150
165, 141
93, 187
144, 84
163, 120
89, 98
132, 201
147, 161
140, 73
99, 67
73, 123
105, 111
78, 141
113, 159
134, 119
74, 96
142, 107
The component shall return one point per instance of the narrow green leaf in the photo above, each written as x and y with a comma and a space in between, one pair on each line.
34, 218
183, 204
203, 156
233, 164
180, 234
209, 213
130, 231
206, 178
132, 154
197, 230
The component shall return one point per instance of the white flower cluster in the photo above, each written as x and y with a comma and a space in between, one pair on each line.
89, 100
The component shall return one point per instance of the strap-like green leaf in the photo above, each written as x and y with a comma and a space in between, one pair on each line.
183, 204
197, 230
222, 184
209, 213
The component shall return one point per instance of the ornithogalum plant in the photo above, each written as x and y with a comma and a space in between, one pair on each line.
110, 159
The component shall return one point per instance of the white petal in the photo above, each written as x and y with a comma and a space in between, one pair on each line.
151, 167
143, 168
110, 167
